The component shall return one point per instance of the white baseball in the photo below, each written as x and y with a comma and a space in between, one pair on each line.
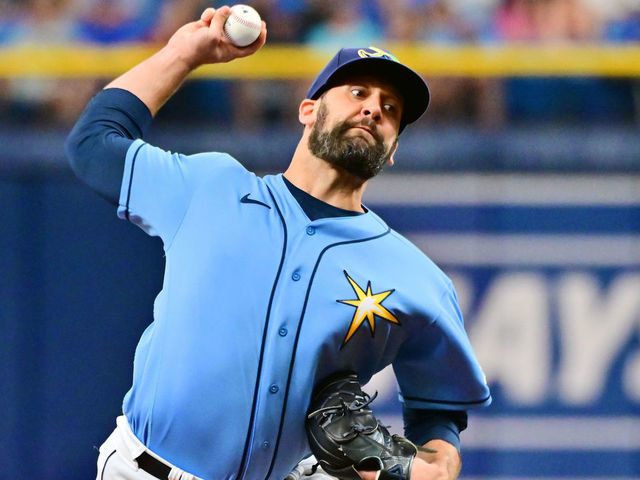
243, 26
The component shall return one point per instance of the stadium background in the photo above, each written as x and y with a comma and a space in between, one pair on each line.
522, 182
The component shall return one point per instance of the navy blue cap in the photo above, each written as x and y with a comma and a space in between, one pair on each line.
378, 63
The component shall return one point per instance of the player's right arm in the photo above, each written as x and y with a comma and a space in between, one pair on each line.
98, 143
102, 148
197, 43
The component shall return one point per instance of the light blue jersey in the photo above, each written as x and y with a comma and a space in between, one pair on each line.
259, 303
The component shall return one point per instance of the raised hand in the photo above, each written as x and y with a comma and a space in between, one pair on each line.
203, 41
197, 43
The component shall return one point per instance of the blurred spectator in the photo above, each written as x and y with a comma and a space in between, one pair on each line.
400, 24
40, 100
173, 14
566, 21
454, 99
11, 18
202, 101
478, 14
327, 25
584, 99
546, 21
341, 23
623, 25
439, 24
330, 25
113, 21
515, 21
44, 21
285, 19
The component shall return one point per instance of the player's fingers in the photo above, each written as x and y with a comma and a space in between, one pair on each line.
220, 16
262, 38
263, 32
207, 15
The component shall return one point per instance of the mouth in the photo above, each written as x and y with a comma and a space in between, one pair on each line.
365, 129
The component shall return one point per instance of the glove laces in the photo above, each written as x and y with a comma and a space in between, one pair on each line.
359, 402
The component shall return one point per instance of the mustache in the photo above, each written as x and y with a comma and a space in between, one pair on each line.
366, 123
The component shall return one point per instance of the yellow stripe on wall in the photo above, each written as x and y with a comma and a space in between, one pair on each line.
288, 61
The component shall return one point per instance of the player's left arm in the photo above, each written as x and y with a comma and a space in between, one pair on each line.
443, 463
440, 352
438, 431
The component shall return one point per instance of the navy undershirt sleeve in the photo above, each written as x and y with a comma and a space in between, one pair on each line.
97, 146
422, 425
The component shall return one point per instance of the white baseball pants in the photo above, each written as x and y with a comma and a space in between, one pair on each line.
116, 460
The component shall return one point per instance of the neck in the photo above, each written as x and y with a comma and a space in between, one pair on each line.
324, 181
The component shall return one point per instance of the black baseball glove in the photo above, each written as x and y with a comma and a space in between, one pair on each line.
345, 437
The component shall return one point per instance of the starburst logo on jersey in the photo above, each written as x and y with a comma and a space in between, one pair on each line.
368, 306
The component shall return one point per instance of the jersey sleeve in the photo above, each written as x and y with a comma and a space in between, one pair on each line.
158, 186
97, 145
422, 425
436, 368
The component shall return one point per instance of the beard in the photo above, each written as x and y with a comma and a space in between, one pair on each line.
353, 154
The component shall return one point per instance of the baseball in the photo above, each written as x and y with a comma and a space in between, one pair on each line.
243, 26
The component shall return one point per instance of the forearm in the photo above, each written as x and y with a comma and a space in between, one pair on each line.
442, 462
438, 430
157, 78
197, 43
98, 143
445, 458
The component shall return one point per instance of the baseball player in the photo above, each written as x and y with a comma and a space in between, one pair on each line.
274, 284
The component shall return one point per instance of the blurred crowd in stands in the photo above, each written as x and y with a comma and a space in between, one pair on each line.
331, 24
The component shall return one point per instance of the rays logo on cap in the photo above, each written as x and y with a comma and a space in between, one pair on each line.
376, 52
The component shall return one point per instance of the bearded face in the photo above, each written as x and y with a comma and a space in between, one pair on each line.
355, 154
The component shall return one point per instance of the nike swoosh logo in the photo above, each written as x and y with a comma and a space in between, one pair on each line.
246, 199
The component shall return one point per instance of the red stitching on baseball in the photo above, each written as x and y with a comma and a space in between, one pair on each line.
245, 22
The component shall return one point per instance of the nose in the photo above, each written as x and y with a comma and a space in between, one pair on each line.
372, 113
372, 108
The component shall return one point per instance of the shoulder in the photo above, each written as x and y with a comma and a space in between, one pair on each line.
422, 285
200, 166
416, 261
411, 258
217, 163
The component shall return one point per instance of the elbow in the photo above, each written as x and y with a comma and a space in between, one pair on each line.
73, 150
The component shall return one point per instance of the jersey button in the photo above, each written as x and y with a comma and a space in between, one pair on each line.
311, 230
274, 388
295, 276
283, 332
265, 444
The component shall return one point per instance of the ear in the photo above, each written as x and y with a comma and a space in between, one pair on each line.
391, 161
306, 112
